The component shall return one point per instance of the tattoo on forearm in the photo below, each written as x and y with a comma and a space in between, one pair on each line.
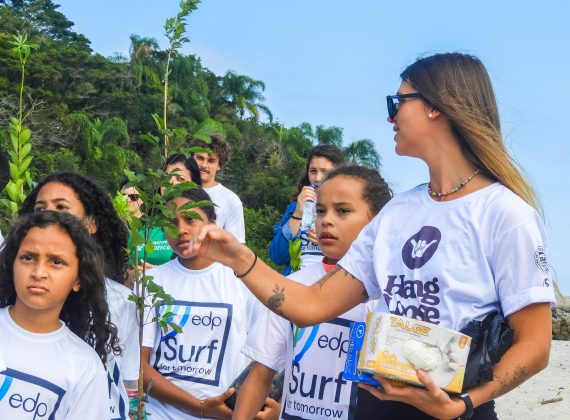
277, 299
509, 382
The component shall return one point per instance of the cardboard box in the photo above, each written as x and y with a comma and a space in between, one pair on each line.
395, 347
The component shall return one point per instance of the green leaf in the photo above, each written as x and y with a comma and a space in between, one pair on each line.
25, 164
150, 139
12, 191
171, 231
24, 135
175, 327
149, 248
14, 172
26, 150
14, 138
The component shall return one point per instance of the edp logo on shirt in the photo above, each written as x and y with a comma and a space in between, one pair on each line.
196, 354
23, 396
315, 385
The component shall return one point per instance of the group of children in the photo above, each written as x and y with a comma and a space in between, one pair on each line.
442, 252
67, 299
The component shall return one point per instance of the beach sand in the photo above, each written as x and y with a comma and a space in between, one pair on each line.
553, 382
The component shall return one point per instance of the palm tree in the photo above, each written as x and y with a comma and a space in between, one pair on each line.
363, 152
329, 135
244, 93
146, 70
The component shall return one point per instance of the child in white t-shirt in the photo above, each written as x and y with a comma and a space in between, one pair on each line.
54, 328
74, 194
193, 369
314, 357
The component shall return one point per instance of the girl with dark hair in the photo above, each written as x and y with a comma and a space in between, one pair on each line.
467, 244
290, 246
74, 194
186, 169
347, 200
193, 366
54, 322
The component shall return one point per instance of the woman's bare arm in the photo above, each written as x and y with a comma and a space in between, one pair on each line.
332, 295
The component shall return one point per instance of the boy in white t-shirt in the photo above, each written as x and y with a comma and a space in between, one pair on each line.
193, 369
314, 357
229, 209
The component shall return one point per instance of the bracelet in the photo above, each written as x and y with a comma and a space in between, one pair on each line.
295, 217
250, 268
202, 402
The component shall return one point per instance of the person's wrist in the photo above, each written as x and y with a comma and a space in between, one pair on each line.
461, 408
244, 260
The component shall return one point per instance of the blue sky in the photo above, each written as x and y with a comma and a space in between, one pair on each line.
333, 62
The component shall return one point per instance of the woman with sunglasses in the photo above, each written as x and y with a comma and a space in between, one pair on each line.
453, 250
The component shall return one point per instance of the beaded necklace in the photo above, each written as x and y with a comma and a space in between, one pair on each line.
454, 189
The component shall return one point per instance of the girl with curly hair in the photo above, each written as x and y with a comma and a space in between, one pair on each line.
74, 194
55, 328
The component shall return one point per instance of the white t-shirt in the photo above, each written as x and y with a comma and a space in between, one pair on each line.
49, 376
313, 358
456, 261
229, 210
126, 366
215, 311
310, 252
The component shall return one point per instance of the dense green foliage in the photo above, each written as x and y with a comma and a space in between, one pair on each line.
87, 113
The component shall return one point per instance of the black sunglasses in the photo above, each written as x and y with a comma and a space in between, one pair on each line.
133, 197
393, 102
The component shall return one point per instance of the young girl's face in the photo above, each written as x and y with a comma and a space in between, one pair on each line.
319, 167
342, 212
182, 174
59, 197
45, 270
187, 228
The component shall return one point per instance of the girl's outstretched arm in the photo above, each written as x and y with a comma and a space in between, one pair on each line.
332, 295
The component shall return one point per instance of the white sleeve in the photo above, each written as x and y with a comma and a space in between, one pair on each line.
235, 221
90, 398
131, 351
267, 340
359, 260
522, 274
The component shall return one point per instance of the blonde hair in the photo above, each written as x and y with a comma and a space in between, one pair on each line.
459, 86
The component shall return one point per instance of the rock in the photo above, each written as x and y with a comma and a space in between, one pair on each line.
561, 322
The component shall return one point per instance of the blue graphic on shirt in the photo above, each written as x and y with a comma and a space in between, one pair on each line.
25, 394
197, 354
315, 388
174, 309
114, 379
418, 250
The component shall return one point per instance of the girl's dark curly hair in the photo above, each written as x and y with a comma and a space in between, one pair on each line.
376, 191
84, 312
111, 235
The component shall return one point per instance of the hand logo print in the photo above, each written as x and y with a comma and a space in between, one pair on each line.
418, 250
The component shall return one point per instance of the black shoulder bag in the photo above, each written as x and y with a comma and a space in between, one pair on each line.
490, 339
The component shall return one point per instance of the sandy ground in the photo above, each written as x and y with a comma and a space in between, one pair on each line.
552, 383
